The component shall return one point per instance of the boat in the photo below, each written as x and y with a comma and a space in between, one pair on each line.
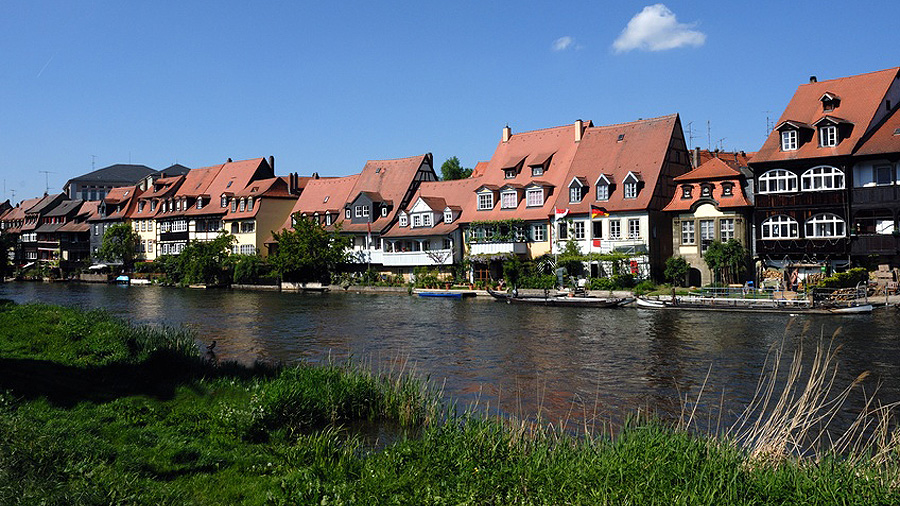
561, 300
751, 305
123, 280
452, 295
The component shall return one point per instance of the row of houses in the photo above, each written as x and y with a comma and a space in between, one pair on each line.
819, 194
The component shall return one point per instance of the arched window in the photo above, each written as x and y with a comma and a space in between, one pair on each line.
823, 177
777, 180
825, 226
780, 227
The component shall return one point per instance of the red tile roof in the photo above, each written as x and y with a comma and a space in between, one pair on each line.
261, 190
638, 147
391, 180
861, 103
479, 169
712, 169
326, 195
717, 172
456, 194
885, 139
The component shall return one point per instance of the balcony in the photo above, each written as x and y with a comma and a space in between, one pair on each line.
799, 247
417, 258
881, 244
494, 248
801, 199
876, 195
364, 256
173, 236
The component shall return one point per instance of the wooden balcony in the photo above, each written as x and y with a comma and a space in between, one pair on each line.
880, 244
797, 247
886, 196
801, 199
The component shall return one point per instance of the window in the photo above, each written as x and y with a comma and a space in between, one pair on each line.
365, 211
777, 180
578, 230
726, 229
448, 243
537, 170
706, 190
248, 226
574, 194
249, 203
509, 173
358, 211
634, 228
229, 184
508, 200
789, 140
347, 213
153, 206
687, 232
822, 178
828, 137
141, 206
883, 175
224, 201
630, 189
539, 233
485, 201
597, 232
534, 197
150, 226
727, 189
707, 231
448, 216
234, 204
243, 205
780, 227
199, 202
404, 220
563, 231
416, 220
615, 229
428, 220
235, 228
825, 225
384, 210
96, 230
328, 219
602, 191
686, 191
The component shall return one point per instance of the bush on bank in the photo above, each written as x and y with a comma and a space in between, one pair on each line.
227, 434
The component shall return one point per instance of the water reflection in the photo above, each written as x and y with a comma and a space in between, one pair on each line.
562, 362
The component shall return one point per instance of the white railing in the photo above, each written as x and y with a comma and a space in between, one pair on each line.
365, 256
416, 258
493, 248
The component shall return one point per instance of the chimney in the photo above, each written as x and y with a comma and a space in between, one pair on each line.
579, 130
507, 133
813, 79
272, 162
315, 175
229, 160
696, 157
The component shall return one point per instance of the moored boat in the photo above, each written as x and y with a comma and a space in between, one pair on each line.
562, 300
751, 305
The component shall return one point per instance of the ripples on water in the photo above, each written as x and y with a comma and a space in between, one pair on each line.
564, 362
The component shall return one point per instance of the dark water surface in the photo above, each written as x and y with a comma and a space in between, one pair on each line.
564, 362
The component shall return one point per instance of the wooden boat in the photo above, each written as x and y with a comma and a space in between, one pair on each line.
561, 300
451, 295
751, 305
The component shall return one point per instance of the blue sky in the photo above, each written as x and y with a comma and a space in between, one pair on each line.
326, 86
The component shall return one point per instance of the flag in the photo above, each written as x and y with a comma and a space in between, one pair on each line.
597, 212
560, 213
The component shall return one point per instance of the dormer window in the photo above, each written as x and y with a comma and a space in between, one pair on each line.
152, 206
249, 203
630, 186
508, 200
828, 136
485, 201
428, 220
448, 216
404, 220
229, 184
686, 191
509, 173
534, 197
706, 190
727, 189
384, 211
141, 206
347, 213
234, 204
574, 194
243, 205
328, 218
537, 170
199, 202
602, 189
224, 201
789, 140
830, 102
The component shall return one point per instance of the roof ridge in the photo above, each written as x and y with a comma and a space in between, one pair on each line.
396, 159
642, 120
895, 69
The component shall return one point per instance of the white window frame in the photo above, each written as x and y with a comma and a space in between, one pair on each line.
448, 216
825, 226
347, 213
779, 226
828, 136
634, 228
575, 195
789, 140
357, 211
778, 181
365, 211
485, 201
403, 220
509, 200
726, 229
615, 229
534, 197
602, 192
428, 220
539, 232
417, 220
537, 170
578, 230
823, 177
707, 230
688, 234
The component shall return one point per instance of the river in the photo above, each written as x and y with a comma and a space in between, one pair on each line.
565, 363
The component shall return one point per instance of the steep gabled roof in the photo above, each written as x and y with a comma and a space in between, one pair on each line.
455, 194
717, 172
259, 191
391, 180
862, 104
639, 148
712, 169
885, 139
326, 195
119, 173
230, 177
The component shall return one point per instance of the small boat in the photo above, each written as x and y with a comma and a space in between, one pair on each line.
452, 295
123, 280
562, 300
751, 305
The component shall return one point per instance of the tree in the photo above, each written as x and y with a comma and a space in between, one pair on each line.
309, 252
512, 271
120, 243
727, 260
451, 169
676, 270
205, 262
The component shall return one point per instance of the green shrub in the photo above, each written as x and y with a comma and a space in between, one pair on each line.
645, 286
539, 281
847, 279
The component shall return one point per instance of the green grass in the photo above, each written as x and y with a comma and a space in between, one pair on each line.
97, 412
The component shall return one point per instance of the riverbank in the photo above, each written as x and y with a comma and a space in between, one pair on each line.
99, 412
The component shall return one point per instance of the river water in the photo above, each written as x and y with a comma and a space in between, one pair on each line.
564, 363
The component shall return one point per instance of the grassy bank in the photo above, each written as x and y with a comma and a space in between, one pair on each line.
97, 412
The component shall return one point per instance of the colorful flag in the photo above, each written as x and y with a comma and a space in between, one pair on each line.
561, 213
597, 212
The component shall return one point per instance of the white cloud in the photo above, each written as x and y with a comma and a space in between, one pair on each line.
656, 29
563, 43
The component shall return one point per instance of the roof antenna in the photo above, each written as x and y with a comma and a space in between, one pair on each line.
93, 159
47, 173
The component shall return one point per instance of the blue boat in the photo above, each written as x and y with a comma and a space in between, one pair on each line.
441, 294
